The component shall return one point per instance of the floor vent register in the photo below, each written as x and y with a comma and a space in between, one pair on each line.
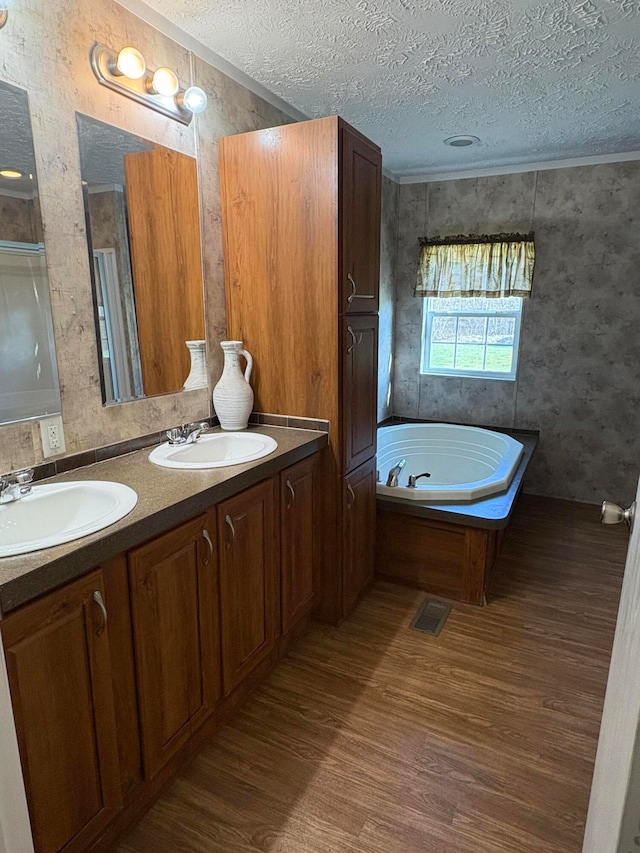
431, 617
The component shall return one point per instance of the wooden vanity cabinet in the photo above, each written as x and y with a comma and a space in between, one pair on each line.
174, 611
106, 717
59, 666
301, 228
358, 531
249, 581
298, 576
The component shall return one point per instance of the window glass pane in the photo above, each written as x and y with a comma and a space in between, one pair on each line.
441, 355
472, 330
444, 329
469, 357
499, 358
473, 304
501, 330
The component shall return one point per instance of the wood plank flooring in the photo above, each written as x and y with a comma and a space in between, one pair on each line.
373, 738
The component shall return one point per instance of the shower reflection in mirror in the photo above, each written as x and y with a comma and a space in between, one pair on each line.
28, 371
102, 151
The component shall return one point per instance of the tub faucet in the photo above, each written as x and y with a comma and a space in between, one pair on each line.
186, 433
16, 485
392, 479
413, 479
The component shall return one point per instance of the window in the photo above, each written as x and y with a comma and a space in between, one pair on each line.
472, 336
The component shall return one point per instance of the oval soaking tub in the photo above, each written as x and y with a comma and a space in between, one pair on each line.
464, 462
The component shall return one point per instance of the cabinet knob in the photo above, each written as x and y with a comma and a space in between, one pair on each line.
97, 597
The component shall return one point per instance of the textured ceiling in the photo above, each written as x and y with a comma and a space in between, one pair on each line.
534, 80
16, 143
102, 150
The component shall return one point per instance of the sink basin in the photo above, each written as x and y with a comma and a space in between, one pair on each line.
215, 451
61, 512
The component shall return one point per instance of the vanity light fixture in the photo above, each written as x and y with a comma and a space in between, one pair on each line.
4, 12
126, 72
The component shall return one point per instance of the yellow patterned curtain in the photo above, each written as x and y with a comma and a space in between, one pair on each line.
495, 265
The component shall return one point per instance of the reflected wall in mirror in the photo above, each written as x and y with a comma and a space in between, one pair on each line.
143, 233
28, 371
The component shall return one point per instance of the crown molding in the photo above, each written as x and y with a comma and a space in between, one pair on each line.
596, 160
167, 28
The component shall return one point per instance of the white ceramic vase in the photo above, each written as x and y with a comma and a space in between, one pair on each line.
197, 377
232, 396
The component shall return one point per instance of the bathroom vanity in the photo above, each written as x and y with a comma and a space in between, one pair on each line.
127, 649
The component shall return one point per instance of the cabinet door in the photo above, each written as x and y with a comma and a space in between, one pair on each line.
361, 168
57, 652
297, 537
359, 389
359, 527
175, 627
249, 580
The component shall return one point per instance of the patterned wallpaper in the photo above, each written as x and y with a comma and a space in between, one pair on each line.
44, 50
388, 256
579, 372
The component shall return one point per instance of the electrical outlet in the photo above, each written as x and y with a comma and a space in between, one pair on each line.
52, 435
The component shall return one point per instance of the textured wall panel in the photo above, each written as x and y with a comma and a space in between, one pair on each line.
579, 371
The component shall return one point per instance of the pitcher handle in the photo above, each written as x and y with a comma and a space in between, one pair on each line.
249, 367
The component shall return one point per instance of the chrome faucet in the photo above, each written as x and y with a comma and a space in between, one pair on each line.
15, 485
187, 433
413, 479
392, 478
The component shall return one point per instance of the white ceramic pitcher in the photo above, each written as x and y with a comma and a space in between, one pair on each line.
233, 396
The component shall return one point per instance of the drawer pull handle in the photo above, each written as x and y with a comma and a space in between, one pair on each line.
97, 597
353, 295
207, 539
293, 494
229, 521
352, 494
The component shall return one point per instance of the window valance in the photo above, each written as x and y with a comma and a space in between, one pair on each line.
493, 265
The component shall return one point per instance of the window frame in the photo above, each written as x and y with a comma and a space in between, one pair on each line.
463, 373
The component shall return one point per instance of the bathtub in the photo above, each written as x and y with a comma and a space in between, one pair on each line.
465, 462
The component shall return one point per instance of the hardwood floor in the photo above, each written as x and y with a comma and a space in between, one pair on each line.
373, 738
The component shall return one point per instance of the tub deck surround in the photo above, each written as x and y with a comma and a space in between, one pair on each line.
447, 549
166, 499
490, 513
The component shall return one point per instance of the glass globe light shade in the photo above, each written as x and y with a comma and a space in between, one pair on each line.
130, 62
165, 82
194, 99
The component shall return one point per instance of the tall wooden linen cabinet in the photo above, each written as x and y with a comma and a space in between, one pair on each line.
301, 230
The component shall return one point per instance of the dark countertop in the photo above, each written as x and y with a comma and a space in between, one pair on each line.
492, 512
166, 498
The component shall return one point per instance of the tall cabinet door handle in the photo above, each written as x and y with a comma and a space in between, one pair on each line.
354, 295
207, 539
293, 494
354, 340
229, 521
99, 600
352, 495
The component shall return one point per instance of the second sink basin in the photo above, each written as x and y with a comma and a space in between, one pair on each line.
55, 513
215, 451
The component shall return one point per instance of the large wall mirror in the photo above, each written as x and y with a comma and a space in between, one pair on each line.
143, 232
28, 371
